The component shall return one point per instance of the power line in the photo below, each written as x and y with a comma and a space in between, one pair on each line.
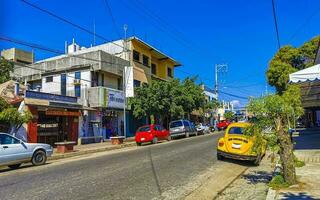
43, 48
106, 2
233, 95
275, 22
70, 23
303, 25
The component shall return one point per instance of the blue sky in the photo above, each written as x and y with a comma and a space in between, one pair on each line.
199, 34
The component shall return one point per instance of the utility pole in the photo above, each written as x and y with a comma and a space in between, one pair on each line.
217, 69
124, 80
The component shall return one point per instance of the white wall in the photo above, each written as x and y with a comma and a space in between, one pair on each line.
55, 86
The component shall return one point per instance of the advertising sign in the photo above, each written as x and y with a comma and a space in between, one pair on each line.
129, 81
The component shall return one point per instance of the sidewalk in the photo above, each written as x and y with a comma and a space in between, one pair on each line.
307, 145
309, 184
307, 148
92, 148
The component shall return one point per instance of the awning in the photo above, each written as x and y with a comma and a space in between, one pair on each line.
308, 74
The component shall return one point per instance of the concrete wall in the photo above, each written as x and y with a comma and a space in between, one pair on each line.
18, 55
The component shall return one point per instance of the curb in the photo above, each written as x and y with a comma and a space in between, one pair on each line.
89, 151
271, 194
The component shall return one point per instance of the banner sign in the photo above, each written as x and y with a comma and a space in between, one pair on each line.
62, 113
116, 99
50, 97
128, 70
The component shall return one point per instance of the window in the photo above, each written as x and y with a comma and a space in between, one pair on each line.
102, 79
77, 88
49, 79
236, 130
136, 56
63, 86
6, 139
175, 124
169, 72
144, 129
153, 68
136, 83
186, 123
145, 60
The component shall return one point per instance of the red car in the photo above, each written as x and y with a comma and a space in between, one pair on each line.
223, 124
151, 133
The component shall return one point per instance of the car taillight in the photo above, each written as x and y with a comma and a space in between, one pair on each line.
221, 143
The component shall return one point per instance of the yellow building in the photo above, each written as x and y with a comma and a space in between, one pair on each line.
149, 63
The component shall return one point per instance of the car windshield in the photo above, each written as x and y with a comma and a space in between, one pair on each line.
236, 130
144, 129
175, 124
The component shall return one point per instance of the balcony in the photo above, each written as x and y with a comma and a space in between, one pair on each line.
103, 97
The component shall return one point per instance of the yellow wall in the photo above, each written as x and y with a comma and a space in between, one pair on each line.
145, 75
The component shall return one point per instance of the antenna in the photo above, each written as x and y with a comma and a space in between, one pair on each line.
94, 32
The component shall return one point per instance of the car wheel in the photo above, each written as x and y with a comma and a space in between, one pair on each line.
219, 157
16, 166
169, 138
219, 129
155, 140
39, 158
187, 134
138, 143
257, 161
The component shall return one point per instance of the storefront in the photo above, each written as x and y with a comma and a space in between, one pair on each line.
108, 120
56, 117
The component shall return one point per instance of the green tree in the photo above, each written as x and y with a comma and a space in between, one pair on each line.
274, 113
288, 60
6, 67
9, 115
229, 115
167, 99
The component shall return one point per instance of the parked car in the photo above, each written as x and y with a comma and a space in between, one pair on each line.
151, 133
182, 128
223, 124
237, 146
14, 152
203, 129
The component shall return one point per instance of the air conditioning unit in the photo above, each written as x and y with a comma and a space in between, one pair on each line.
77, 82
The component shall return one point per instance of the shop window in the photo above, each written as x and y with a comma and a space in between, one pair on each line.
136, 83
145, 60
63, 84
169, 72
136, 56
49, 79
77, 87
153, 68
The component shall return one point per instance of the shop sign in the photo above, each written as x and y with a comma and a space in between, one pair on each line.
129, 81
116, 99
50, 97
62, 113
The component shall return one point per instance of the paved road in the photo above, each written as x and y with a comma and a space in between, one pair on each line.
119, 175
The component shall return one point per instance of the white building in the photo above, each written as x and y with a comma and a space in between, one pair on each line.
92, 75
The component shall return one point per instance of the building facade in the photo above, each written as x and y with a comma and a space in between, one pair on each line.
148, 62
84, 74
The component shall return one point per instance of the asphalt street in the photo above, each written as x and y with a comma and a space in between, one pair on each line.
148, 172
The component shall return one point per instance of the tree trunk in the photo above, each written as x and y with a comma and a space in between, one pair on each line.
286, 154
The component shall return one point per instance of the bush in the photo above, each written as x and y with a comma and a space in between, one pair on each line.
278, 182
299, 163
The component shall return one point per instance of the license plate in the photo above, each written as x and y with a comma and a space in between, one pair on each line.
236, 146
142, 139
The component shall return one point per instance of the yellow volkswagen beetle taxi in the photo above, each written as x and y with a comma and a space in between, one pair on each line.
236, 145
